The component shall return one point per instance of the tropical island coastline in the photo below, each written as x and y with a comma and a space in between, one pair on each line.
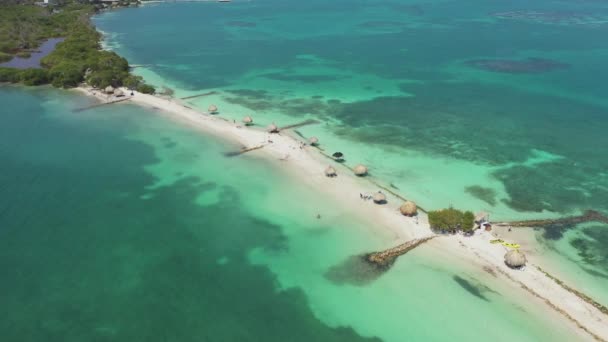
290, 153
305, 163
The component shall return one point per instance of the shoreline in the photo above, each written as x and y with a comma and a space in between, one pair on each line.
306, 165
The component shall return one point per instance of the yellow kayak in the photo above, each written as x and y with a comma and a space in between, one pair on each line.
506, 244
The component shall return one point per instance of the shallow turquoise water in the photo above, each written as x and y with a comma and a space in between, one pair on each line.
399, 86
117, 224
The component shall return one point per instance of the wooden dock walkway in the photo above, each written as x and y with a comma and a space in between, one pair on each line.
78, 110
300, 124
244, 150
587, 216
198, 95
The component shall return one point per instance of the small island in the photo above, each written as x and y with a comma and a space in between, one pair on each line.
77, 56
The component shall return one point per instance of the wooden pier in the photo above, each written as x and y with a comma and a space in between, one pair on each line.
77, 110
198, 95
300, 124
587, 216
242, 151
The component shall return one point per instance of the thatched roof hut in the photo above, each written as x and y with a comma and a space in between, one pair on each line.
273, 128
482, 216
409, 208
360, 170
379, 198
109, 90
515, 259
313, 141
330, 172
248, 121
118, 93
212, 109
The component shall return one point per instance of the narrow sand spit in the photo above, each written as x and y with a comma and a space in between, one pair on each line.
307, 166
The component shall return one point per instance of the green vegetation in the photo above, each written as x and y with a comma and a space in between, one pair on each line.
451, 220
78, 58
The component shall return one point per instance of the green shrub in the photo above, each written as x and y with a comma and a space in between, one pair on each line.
9, 75
451, 220
5, 57
32, 77
132, 81
66, 75
146, 89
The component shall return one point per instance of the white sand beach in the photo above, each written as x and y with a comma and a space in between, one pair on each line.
291, 154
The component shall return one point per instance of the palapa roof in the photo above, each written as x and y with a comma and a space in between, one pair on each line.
330, 171
379, 197
212, 108
313, 140
408, 208
109, 89
360, 170
118, 92
248, 120
515, 258
273, 128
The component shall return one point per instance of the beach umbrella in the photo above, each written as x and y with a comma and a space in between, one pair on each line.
109, 90
273, 128
118, 93
248, 120
212, 109
360, 170
313, 141
408, 208
330, 172
379, 198
338, 156
514, 258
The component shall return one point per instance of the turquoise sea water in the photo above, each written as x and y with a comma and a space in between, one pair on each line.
117, 224
120, 225
495, 106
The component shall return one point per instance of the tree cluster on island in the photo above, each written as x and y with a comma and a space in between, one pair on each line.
451, 220
79, 58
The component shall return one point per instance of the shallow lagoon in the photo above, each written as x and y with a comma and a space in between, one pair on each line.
33, 61
118, 224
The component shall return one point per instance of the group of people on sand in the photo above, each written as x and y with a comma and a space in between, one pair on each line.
367, 197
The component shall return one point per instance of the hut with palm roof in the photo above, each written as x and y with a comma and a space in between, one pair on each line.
360, 170
273, 128
212, 109
331, 172
248, 121
313, 141
515, 259
408, 208
109, 90
379, 198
